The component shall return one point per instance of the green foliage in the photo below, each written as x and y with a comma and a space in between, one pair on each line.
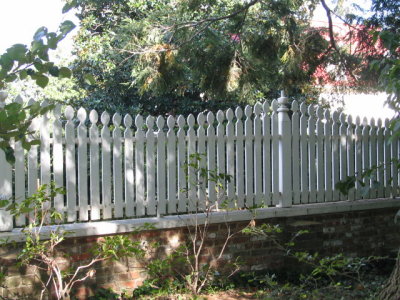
21, 62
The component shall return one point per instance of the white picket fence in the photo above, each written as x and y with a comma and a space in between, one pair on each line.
275, 155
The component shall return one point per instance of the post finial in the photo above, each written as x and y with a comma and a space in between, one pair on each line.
283, 102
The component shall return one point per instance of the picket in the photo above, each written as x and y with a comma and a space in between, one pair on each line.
129, 177
94, 166
273, 155
82, 166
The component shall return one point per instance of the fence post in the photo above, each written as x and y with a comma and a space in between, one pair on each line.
285, 152
6, 221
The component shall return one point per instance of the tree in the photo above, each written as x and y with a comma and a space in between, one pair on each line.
20, 62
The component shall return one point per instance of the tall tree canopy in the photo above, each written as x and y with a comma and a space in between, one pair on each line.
158, 56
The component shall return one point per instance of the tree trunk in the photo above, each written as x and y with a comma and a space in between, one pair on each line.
391, 290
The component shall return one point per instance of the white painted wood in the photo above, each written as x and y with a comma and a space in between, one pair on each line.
19, 173
45, 176
192, 179
380, 161
171, 166
328, 155
373, 158
395, 160
161, 173
275, 152
350, 154
117, 167
182, 185
249, 165
6, 220
258, 161
221, 160
335, 155
212, 195
139, 167
58, 157
106, 166
239, 158
150, 167
365, 153
387, 159
230, 158
296, 152
33, 156
304, 154
267, 180
94, 166
201, 149
358, 157
320, 155
343, 150
285, 153
312, 155
82, 166
70, 167
128, 168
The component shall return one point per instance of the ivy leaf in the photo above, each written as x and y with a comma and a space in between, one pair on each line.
42, 81
89, 79
68, 6
65, 72
66, 27
40, 33
17, 52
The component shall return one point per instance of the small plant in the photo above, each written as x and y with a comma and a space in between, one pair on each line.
43, 253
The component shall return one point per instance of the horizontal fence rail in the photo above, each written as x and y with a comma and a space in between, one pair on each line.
277, 154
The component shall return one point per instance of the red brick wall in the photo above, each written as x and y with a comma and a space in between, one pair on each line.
360, 233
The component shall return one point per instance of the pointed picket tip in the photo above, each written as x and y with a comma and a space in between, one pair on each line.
139, 122
81, 115
379, 122
69, 112
128, 121
160, 122
335, 116
372, 121
365, 121
3, 96
181, 121
239, 113
31, 101
257, 108
229, 114
210, 118
201, 119
358, 121
274, 105
349, 120
19, 99
171, 122
220, 116
117, 119
311, 110
327, 114
191, 120
295, 106
248, 111
303, 108
105, 118
57, 112
320, 112
93, 116
342, 118
150, 122
387, 123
